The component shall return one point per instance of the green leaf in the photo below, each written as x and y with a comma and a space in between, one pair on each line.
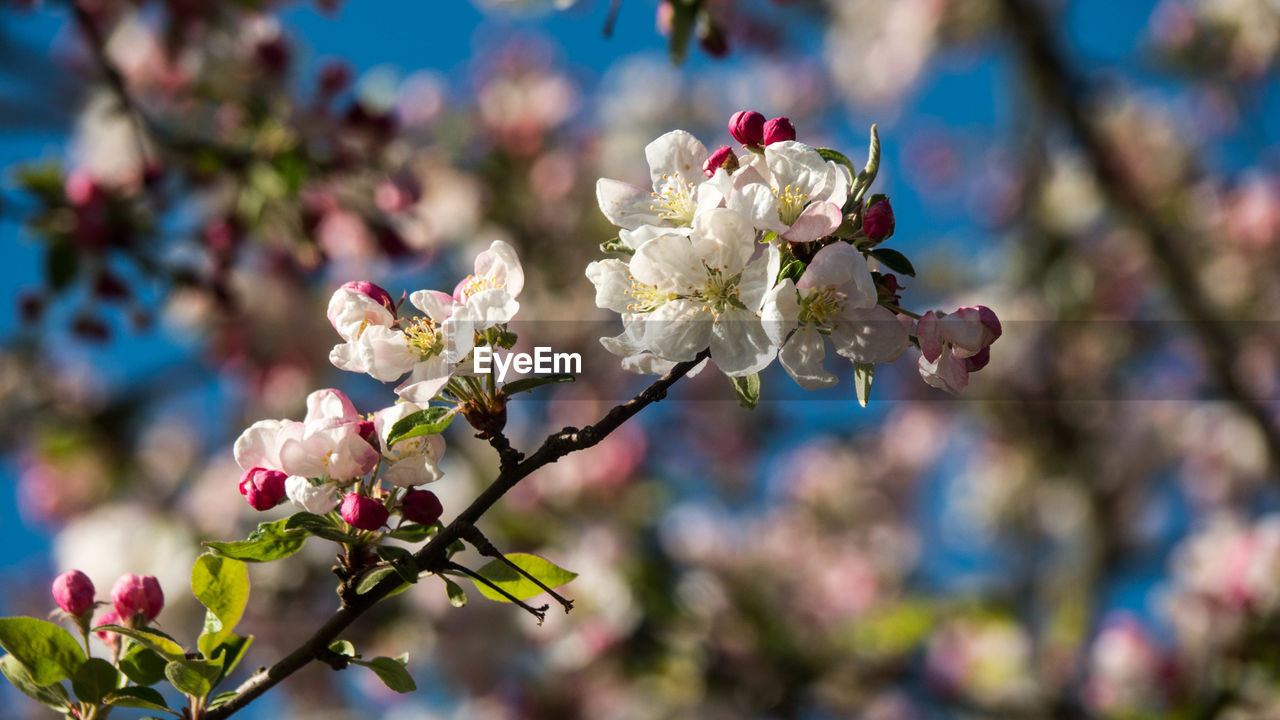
868, 174
232, 651
430, 421
95, 678
457, 596
49, 652
518, 586
343, 647
747, 389
271, 541
414, 533
372, 578
320, 526
152, 639
142, 665
862, 373
61, 264
194, 677
144, 698
792, 270
392, 673
615, 245
221, 585
529, 383
401, 561
221, 699
894, 260
839, 157
54, 694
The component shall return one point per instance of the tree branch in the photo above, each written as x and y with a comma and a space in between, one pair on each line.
1168, 251
433, 556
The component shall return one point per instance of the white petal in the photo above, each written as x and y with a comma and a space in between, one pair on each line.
435, 304
757, 202
739, 344
501, 263
723, 239
780, 311
798, 165
330, 404
802, 357
626, 205
676, 152
840, 267
350, 311
384, 353
756, 279
427, 380
258, 446
946, 373
316, 499
669, 263
678, 330
612, 279
491, 307
869, 335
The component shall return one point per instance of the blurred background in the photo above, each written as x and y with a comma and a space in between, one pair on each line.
1091, 530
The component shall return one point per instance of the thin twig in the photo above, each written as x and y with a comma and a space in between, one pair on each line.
433, 557
540, 613
486, 548
1168, 251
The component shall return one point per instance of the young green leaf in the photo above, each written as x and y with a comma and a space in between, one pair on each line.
401, 561
344, 647
747, 389
615, 245
430, 421
320, 526
838, 157
95, 678
894, 260
517, 585
143, 698
232, 651
151, 639
862, 373
194, 677
54, 695
271, 541
142, 665
221, 699
414, 533
529, 383
457, 596
392, 673
221, 585
868, 175
373, 577
792, 270
48, 651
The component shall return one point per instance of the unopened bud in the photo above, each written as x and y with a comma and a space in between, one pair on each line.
878, 221
747, 127
368, 432
110, 639
73, 591
777, 130
263, 488
721, 157
373, 292
137, 599
974, 363
421, 506
363, 512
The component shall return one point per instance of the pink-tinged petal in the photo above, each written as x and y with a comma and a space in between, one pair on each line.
817, 221
970, 329
501, 265
626, 205
802, 357
946, 373
427, 380
330, 404
434, 304
258, 446
929, 333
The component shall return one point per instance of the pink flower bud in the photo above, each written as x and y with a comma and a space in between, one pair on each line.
373, 292
721, 157
73, 591
263, 488
137, 599
112, 640
974, 363
777, 130
747, 127
363, 512
421, 506
368, 432
81, 189
878, 222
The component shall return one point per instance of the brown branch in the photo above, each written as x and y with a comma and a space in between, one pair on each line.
538, 612
433, 557
1063, 90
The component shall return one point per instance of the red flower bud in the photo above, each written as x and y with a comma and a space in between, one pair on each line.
363, 512
747, 127
263, 488
974, 363
112, 640
777, 130
73, 591
137, 599
878, 222
368, 432
421, 506
373, 292
721, 157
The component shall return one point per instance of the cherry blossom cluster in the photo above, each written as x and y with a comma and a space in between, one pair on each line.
762, 255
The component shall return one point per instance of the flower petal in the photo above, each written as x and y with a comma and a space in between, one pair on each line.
802, 356
739, 343
626, 205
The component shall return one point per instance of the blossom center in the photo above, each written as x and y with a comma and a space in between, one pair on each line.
647, 297
474, 284
820, 306
424, 337
721, 291
791, 203
674, 201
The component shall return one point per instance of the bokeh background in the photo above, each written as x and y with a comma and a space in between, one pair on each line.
1091, 530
